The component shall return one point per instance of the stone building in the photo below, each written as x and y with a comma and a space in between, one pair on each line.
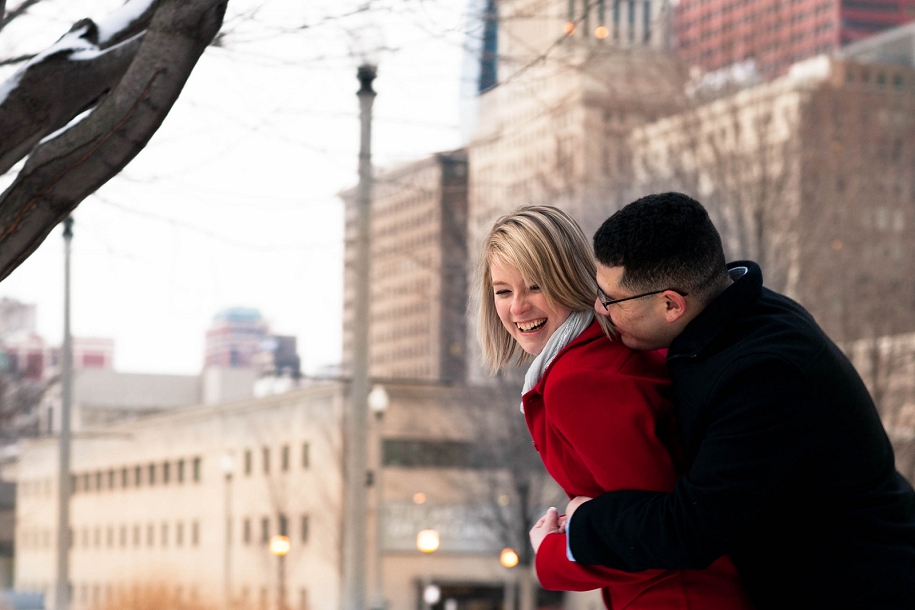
418, 270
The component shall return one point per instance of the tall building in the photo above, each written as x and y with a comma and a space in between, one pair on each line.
419, 284
235, 338
714, 34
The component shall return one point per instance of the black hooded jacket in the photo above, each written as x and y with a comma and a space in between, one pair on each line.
789, 469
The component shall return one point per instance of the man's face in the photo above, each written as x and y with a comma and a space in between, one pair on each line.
641, 322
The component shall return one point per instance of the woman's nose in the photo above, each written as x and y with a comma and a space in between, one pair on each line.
520, 304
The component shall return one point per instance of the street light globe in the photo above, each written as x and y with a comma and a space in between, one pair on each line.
427, 541
432, 594
378, 400
227, 463
279, 545
508, 558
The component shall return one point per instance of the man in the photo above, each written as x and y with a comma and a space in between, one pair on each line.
788, 468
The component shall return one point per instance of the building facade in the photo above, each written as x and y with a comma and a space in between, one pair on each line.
715, 34
235, 338
418, 270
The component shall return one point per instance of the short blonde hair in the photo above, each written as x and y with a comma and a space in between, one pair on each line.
549, 249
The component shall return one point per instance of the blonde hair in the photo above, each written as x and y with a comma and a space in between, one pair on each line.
549, 249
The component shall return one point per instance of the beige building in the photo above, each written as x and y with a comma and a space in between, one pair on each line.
153, 498
418, 270
812, 176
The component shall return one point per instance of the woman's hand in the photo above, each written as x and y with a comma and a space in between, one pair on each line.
547, 524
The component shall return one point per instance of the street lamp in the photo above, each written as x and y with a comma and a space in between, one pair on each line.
427, 541
509, 559
378, 403
227, 466
279, 546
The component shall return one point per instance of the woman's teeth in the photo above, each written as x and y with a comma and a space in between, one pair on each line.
532, 325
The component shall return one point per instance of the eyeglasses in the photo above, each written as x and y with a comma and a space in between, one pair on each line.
601, 296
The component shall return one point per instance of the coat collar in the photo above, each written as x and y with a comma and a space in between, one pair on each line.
719, 313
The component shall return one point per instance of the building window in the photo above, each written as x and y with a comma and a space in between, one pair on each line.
181, 471
284, 525
304, 455
248, 460
303, 599
165, 534
85, 482
304, 528
197, 470
285, 458
123, 535
152, 474
246, 531
166, 472
111, 479
150, 535
136, 535
137, 476
110, 536
179, 534
265, 530
98, 481
266, 454
195, 533
124, 477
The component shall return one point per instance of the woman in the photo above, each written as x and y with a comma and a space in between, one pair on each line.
598, 411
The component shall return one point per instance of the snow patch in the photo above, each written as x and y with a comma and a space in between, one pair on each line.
121, 19
91, 52
9, 85
74, 121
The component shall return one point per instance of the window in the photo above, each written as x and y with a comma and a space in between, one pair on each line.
152, 474
98, 480
284, 525
196, 469
304, 455
266, 453
110, 536
181, 471
246, 531
285, 458
150, 535
137, 476
166, 472
111, 479
265, 530
165, 534
179, 534
124, 477
136, 535
409, 453
303, 599
304, 528
248, 461
123, 537
195, 533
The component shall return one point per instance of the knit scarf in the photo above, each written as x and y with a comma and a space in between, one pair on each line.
574, 325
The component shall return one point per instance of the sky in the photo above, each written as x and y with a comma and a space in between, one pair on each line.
233, 202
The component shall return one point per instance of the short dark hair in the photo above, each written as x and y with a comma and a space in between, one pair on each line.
662, 241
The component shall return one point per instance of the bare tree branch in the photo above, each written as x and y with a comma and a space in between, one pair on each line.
68, 166
21, 9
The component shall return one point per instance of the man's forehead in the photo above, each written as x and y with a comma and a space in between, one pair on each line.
609, 275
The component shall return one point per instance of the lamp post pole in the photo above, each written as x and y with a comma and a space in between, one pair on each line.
354, 527
378, 403
279, 546
62, 589
227, 464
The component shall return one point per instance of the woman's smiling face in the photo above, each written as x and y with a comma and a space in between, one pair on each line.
523, 308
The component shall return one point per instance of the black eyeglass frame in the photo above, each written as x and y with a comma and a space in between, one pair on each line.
607, 304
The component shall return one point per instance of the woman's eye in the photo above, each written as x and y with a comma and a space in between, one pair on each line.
534, 288
502, 292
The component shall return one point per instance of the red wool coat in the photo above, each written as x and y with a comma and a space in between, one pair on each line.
598, 417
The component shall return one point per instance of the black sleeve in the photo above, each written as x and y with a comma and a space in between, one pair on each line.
756, 433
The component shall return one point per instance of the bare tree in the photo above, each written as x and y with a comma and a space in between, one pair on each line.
81, 110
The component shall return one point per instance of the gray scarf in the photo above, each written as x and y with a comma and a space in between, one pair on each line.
574, 325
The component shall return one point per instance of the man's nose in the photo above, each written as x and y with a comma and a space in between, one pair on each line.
599, 308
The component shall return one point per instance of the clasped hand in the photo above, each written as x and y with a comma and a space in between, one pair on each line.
553, 523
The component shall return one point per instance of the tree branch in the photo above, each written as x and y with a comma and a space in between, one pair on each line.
65, 168
6, 18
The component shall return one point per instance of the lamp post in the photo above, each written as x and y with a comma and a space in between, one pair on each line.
354, 527
279, 546
227, 465
62, 588
427, 541
378, 404
509, 559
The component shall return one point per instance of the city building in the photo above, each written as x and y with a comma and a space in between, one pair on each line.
235, 338
153, 498
893, 46
715, 34
16, 316
418, 270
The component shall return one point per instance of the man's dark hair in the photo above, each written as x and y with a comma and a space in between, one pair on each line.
664, 241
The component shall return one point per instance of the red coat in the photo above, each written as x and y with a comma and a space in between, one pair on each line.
597, 417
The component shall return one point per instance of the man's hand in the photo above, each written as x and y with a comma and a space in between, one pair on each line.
547, 524
573, 505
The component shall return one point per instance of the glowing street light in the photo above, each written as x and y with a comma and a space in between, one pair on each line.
427, 541
508, 558
279, 545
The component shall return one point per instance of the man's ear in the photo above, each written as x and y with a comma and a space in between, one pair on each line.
675, 305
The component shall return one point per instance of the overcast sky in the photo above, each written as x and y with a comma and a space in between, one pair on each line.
233, 201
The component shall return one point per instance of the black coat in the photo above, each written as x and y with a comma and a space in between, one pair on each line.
789, 468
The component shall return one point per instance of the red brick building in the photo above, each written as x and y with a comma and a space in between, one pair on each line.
714, 34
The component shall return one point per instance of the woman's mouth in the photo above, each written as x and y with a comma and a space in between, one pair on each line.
531, 325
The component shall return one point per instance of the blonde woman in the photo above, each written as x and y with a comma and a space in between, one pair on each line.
598, 412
